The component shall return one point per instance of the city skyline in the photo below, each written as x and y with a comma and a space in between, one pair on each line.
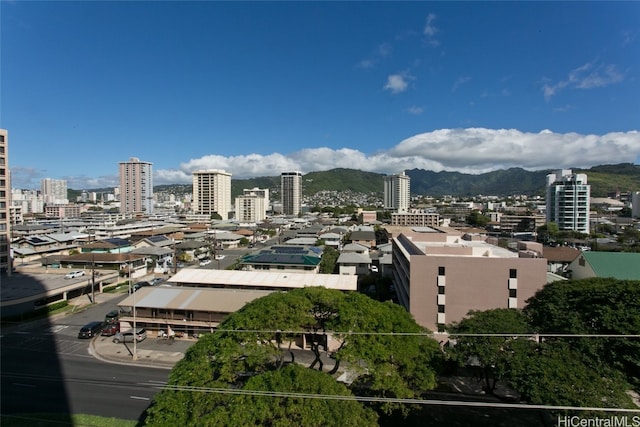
257, 88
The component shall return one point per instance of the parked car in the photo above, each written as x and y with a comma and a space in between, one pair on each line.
374, 268
90, 330
140, 285
112, 316
156, 281
110, 329
141, 335
74, 274
204, 262
219, 257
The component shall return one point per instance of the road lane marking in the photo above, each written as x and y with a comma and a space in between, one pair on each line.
139, 398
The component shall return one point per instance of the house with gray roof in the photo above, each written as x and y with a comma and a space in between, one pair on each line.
331, 239
366, 238
354, 263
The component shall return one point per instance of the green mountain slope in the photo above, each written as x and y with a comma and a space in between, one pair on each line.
603, 179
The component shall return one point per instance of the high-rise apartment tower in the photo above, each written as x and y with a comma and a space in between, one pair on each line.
252, 206
397, 192
212, 192
568, 200
291, 192
5, 203
136, 187
54, 191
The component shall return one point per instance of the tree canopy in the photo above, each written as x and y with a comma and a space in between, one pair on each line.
253, 349
492, 354
559, 369
593, 306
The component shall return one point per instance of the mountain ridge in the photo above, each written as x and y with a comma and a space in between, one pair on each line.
502, 182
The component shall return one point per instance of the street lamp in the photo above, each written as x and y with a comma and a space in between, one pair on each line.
133, 291
135, 330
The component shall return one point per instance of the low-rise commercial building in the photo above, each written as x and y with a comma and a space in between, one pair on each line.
200, 299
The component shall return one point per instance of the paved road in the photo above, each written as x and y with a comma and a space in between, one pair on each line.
46, 368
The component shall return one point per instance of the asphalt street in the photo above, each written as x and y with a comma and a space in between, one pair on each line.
47, 369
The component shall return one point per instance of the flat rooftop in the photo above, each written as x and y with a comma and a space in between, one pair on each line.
264, 279
192, 299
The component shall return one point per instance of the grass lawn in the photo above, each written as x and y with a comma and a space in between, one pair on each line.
46, 420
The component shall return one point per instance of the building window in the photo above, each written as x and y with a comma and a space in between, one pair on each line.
513, 293
513, 273
440, 290
440, 271
440, 308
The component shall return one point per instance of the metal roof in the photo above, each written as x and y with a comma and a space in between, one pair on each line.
192, 299
263, 279
619, 265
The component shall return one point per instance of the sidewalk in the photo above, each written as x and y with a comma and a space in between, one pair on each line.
152, 352
149, 354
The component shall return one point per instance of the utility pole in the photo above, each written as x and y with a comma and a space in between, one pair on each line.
93, 279
175, 258
132, 291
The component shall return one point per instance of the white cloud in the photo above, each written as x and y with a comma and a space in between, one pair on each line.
397, 83
477, 150
382, 51
587, 76
472, 150
459, 82
429, 28
415, 110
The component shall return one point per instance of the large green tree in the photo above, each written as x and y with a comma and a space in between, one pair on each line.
480, 343
329, 259
398, 360
291, 396
561, 357
593, 307
553, 373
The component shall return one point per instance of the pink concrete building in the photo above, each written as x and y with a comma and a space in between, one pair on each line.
440, 275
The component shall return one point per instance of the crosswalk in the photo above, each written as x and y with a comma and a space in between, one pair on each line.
47, 341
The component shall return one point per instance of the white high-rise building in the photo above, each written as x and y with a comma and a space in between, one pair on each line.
568, 200
212, 192
397, 192
54, 191
29, 201
136, 187
291, 192
635, 204
5, 204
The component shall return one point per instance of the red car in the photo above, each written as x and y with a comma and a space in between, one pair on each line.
110, 329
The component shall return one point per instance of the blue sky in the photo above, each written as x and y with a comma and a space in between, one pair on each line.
256, 88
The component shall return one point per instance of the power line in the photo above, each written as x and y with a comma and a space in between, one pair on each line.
279, 394
431, 334
371, 399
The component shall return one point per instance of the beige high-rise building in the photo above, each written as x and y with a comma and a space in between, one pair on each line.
252, 206
5, 203
136, 187
212, 192
291, 192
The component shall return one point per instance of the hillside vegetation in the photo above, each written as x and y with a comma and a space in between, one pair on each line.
603, 179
